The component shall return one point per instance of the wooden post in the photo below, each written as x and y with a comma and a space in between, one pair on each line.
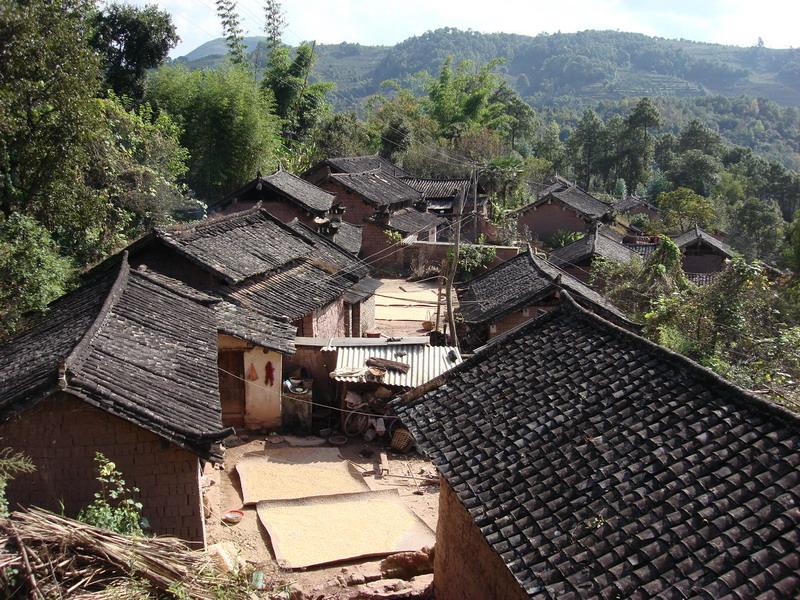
453, 269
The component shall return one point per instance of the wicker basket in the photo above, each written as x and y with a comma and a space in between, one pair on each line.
402, 440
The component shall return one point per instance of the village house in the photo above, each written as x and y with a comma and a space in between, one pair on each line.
518, 290
579, 460
127, 366
633, 205
381, 203
562, 206
603, 243
442, 197
320, 172
702, 252
284, 279
282, 194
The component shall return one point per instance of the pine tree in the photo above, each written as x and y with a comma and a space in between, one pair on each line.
275, 22
232, 30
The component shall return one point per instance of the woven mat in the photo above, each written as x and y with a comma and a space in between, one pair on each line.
285, 473
319, 530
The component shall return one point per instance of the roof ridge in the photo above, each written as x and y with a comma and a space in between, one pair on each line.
207, 222
74, 359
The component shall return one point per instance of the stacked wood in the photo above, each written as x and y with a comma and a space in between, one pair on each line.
44, 555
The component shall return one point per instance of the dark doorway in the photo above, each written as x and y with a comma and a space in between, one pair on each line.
231, 387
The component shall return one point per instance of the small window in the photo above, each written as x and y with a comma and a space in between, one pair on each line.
526, 312
492, 328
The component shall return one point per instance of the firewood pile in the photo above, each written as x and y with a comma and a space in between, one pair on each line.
43, 555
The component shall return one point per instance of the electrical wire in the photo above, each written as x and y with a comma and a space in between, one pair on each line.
311, 402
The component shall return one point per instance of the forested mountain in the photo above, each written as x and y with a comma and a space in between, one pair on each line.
589, 64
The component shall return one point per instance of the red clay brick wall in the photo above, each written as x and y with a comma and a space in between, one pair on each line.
367, 314
465, 566
547, 219
61, 435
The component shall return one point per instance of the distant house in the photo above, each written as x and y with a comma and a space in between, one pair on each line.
442, 197
282, 194
562, 206
636, 205
579, 460
577, 258
275, 278
320, 172
379, 202
702, 252
127, 366
519, 290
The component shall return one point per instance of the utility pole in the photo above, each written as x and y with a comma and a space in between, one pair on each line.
454, 267
474, 206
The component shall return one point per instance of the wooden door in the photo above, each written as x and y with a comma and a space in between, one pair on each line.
231, 387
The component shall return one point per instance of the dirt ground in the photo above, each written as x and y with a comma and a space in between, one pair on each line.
401, 306
223, 492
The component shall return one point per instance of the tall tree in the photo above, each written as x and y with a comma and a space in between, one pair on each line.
226, 123
757, 229
275, 22
684, 209
232, 30
132, 40
696, 136
585, 147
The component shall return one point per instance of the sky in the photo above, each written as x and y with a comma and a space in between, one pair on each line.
376, 22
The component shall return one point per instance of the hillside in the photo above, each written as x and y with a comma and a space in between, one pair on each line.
591, 65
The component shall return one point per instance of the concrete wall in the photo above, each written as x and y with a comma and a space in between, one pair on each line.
61, 435
465, 566
262, 400
546, 219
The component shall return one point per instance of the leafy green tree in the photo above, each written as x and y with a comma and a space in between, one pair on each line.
396, 138
757, 229
521, 121
636, 149
644, 117
695, 170
132, 40
232, 30
341, 134
226, 125
585, 147
696, 136
683, 208
791, 249
297, 102
32, 272
550, 147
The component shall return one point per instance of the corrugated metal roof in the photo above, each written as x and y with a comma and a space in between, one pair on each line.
426, 362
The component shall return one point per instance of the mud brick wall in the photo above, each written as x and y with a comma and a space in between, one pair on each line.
329, 321
546, 219
703, 263
465, 566
61, 435
367, 315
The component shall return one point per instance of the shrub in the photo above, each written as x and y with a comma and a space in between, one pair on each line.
114, 507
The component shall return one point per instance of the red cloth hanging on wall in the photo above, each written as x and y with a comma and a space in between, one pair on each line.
269, 374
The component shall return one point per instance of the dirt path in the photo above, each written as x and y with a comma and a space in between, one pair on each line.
223, 492
401, 306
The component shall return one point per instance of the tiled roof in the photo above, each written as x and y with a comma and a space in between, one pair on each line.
292, 292
328, 253
250, 326
411, 220
362, 290
520, 281
701, 278
238, 246
599, 465
643, 250
269, 332
571, 196
358, 164
435, 189
349, 237
632, 202
378, 187
590, 245
297, 191
697, 235
131, 347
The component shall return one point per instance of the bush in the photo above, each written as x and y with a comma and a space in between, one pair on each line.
114, 506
